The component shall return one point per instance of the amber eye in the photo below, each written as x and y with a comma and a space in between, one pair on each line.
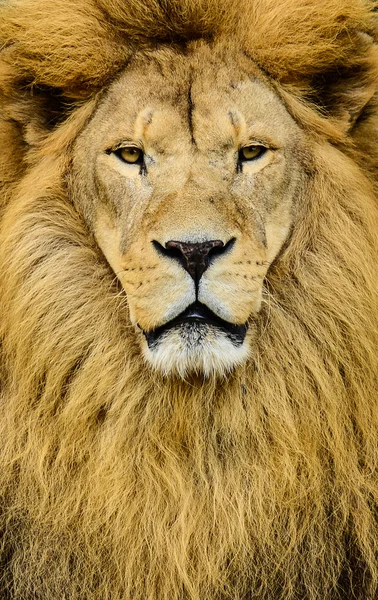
251, 152
130, 154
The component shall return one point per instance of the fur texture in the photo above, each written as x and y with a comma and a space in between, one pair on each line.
119, 483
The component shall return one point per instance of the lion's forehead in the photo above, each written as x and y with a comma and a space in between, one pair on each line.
168, 110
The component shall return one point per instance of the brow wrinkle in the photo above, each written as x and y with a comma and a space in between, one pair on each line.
147, 121
234, 118
191, 107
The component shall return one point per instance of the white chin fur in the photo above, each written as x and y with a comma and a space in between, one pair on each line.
210, 353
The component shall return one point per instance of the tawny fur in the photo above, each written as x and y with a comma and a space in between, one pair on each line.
115, 482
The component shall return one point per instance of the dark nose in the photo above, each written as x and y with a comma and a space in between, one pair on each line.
194, 257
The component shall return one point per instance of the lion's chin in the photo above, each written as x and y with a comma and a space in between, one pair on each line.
196, 348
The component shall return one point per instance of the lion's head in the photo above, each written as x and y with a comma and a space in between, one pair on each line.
188, 293
189, 175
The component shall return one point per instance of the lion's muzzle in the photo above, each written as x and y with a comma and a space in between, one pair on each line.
196, 339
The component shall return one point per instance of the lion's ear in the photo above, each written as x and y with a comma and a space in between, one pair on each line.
344, 91
322, 52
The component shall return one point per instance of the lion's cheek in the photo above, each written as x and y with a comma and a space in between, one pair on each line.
154, 302
277, 231
232, 300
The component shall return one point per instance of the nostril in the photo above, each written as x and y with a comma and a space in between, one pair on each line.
170, 252
220, 250
160, 249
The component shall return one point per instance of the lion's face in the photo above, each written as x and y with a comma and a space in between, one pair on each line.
188, 175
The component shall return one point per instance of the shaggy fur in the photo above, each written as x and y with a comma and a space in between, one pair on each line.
115, 484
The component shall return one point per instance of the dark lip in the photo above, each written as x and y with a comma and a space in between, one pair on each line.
199, 313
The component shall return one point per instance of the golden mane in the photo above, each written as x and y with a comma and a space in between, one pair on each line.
116, 483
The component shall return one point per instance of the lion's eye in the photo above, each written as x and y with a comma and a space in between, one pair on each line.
130, 154
251, 152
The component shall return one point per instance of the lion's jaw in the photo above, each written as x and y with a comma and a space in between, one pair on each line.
192, 229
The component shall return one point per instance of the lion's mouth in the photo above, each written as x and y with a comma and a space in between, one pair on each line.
197, 315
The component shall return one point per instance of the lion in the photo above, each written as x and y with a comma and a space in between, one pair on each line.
189, 315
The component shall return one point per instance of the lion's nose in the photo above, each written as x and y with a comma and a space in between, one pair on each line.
194, 257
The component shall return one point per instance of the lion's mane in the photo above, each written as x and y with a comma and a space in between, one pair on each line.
114, 482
